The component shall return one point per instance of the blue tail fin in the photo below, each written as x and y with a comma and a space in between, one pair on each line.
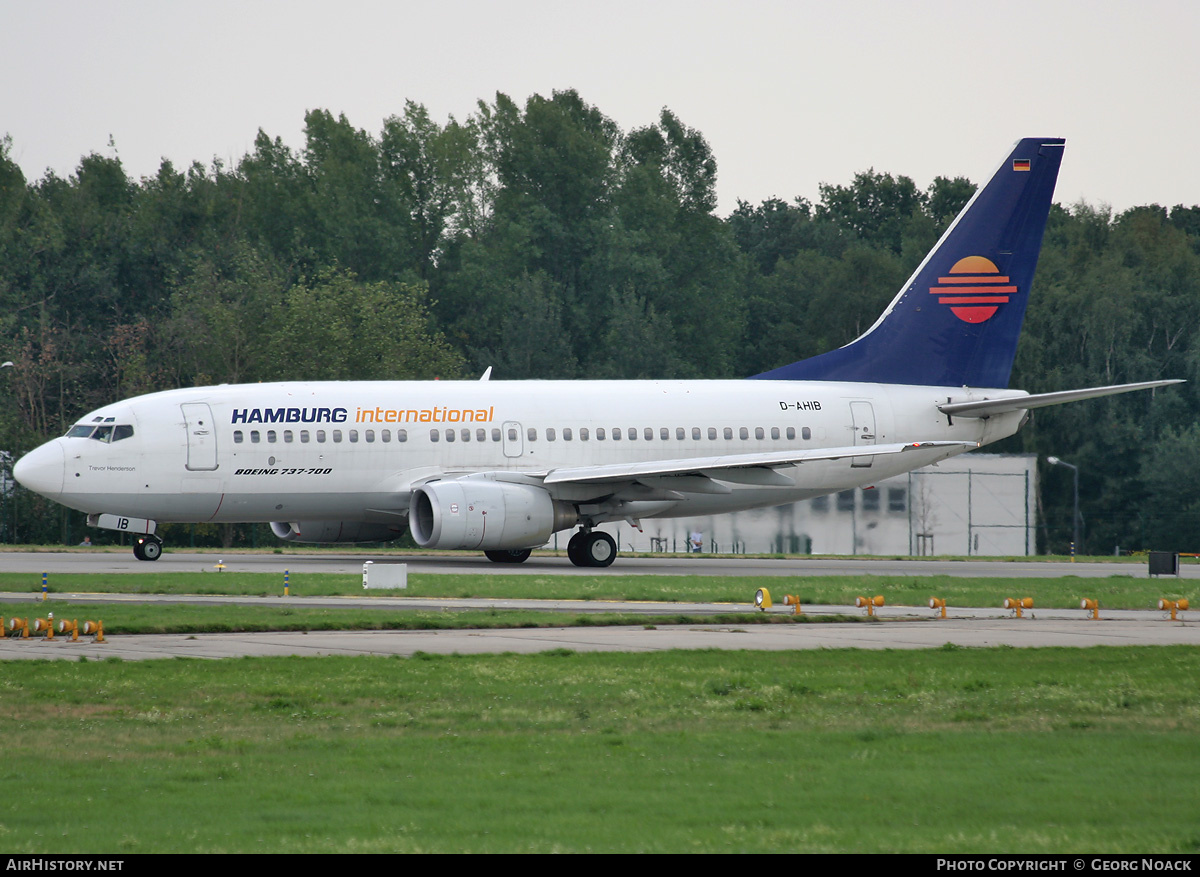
956, 321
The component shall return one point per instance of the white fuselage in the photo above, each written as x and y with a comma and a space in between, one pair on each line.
354, 450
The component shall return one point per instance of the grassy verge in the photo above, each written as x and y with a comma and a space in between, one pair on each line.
1114, 592
139, 618
1050, 750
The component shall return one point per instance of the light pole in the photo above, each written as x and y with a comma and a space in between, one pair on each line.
7, 485
1055, 461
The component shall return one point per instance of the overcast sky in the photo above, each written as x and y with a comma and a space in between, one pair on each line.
788, 94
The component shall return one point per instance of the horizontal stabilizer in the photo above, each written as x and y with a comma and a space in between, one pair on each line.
740, 467
989, 407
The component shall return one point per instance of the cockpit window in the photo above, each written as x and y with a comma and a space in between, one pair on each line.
105, 433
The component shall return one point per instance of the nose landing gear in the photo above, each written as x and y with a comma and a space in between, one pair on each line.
147, 548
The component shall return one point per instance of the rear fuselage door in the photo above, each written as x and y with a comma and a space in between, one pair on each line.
201, 437
863, 416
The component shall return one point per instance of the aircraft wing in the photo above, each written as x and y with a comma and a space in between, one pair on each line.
740, 468
988, 407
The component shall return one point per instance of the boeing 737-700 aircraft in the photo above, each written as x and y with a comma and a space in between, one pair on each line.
502, 465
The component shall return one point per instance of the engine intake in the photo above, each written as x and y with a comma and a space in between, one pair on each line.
481, 513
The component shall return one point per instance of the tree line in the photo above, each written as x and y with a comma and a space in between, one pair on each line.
543, 240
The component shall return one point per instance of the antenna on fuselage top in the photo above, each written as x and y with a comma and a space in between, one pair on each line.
487, 374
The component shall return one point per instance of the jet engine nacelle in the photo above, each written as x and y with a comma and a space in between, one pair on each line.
487, 514
335, 531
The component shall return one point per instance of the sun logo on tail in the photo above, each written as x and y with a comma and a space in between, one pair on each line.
974, 289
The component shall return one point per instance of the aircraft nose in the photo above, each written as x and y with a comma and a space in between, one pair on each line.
41, 470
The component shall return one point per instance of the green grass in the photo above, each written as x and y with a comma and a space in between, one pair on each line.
1114, 592
951, 750
146, 618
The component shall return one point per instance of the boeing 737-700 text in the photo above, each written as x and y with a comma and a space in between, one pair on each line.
502, 465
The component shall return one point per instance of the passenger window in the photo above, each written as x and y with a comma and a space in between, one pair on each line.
550, 434
287, 436
254, 436
695, 433
566, 433
791, 433
434, 435
449, 435
354, 435
237, 436
495, 434
465, 435
369, 435
616, 434
648, 433
512, 434
271, 436
402, 435
712, 433
775, 432
531, 434
320, 435
303, 437
806, 433
743, 433
728, 433
758, 432
583, 433
122, 431
337, 435
679, 433
481, 435
599, 433
385, 436
632, 433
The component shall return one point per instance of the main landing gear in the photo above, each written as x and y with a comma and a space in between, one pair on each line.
514, 556
592, 548
147, 547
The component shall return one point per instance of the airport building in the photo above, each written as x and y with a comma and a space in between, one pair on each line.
971, 505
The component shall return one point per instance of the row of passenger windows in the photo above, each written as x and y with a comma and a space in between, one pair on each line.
664, 434
531, 434
272, 436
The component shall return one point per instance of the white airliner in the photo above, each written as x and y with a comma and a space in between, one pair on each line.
501, 466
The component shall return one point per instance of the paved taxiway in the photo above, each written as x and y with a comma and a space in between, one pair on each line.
967, 632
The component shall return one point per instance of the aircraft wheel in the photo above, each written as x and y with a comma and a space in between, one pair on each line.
147, 548
513, 556
599, 549
575, 549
